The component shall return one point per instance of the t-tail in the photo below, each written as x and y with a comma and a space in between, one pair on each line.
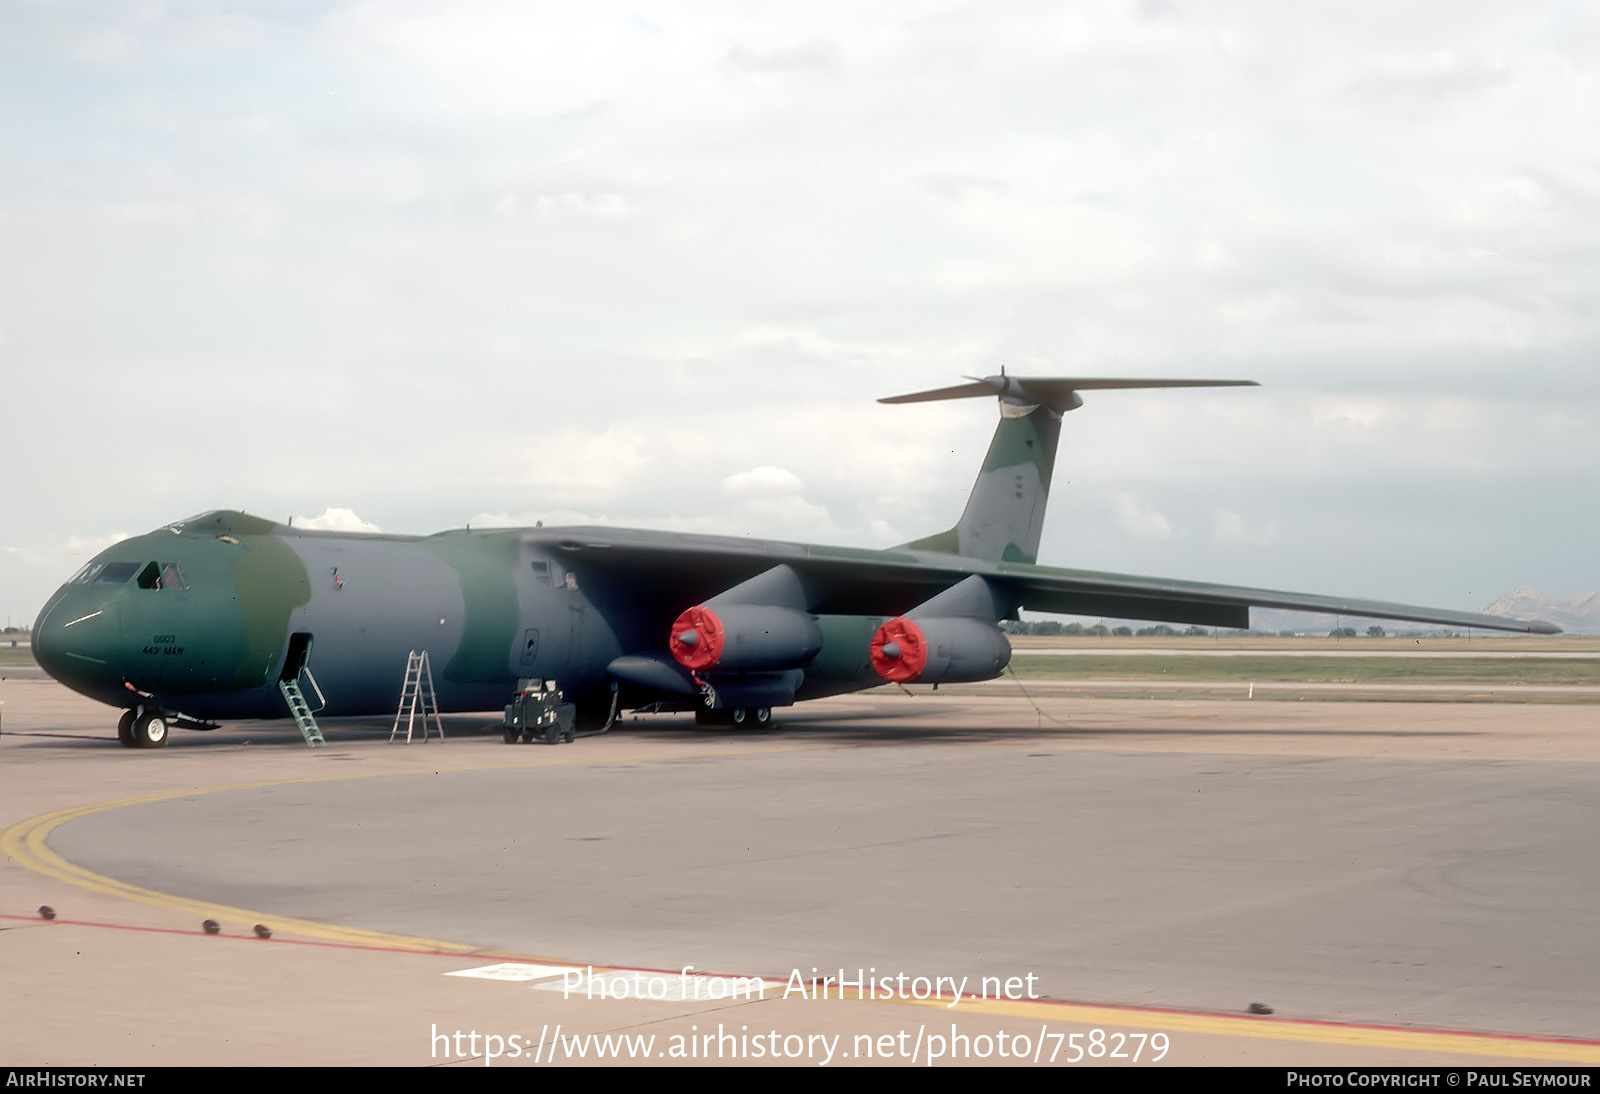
1004, 517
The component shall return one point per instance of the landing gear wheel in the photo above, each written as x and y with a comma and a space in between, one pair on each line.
763, 716
125, 728
738, 716
511, 735
150, 729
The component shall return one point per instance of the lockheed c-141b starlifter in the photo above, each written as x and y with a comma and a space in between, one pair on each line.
208, 618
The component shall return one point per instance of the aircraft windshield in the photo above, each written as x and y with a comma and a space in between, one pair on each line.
162, 575
116, 573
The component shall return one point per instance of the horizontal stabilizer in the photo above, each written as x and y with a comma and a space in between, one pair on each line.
960, 391
1056, 392
1004, 517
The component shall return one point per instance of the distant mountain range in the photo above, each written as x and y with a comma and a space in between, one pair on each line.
1576, 614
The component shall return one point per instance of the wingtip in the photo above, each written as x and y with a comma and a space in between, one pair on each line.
1539, 626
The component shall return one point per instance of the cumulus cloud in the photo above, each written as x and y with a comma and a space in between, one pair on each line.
1138, 519
336, 519
762, 482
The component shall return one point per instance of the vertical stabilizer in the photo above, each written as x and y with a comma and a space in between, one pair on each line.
1004, 517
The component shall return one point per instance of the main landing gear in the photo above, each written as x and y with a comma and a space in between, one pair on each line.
142, 728
737, 717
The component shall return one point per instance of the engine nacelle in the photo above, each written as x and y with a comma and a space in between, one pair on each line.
939, 651
744, 638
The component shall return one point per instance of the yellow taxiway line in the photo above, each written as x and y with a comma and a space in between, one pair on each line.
1555, 1050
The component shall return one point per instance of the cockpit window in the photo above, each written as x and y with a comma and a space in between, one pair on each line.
116, 573
87, 574
161, 575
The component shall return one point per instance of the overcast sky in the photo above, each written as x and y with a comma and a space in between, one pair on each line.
650, 265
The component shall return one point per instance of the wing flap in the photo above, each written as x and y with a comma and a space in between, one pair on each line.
1130, 605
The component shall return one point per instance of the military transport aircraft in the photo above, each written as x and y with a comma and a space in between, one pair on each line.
208, 618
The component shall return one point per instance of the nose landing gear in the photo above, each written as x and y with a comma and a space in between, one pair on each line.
142, 728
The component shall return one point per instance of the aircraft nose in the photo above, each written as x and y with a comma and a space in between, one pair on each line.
77, 643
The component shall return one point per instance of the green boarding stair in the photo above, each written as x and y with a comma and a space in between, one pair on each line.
301, 709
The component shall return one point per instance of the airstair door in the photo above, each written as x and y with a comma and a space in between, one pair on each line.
299, 653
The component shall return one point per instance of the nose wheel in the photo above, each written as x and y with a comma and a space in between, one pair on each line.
140, 728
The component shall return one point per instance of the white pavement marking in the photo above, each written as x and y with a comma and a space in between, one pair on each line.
659, 987
511, 970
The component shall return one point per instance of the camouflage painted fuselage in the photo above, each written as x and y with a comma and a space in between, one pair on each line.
490, 607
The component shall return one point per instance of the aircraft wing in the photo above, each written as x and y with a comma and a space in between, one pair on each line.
1122, 596
679, 570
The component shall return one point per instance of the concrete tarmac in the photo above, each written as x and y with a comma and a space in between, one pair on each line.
1373, 872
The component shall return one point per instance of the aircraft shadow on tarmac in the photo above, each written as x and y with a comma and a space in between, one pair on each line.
862, 726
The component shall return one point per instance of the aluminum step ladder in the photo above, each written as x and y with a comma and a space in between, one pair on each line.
417, 699
302, 710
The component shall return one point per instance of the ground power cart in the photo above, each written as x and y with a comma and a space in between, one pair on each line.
538, 713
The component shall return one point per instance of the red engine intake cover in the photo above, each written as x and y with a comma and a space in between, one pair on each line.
705, 648
912, 645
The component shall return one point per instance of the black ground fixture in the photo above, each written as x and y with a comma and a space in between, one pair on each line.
540, 713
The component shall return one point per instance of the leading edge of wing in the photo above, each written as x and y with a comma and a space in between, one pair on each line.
1038, 588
